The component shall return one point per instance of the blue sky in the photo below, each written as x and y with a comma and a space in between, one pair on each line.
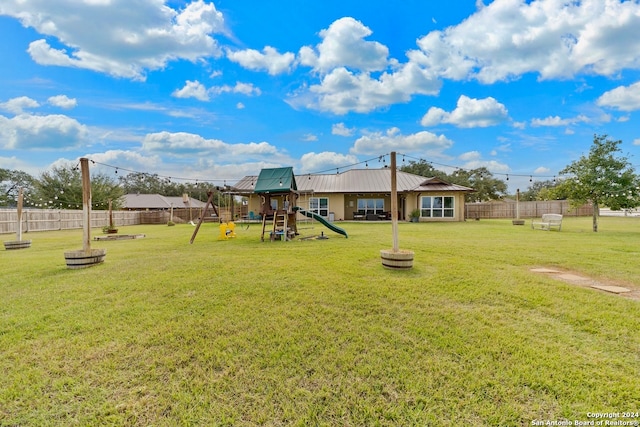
215, 90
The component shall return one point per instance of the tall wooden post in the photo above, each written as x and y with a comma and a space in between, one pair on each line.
394, 202
85, 257
395, 258
517, 221
19, 243
86, 205
20, 201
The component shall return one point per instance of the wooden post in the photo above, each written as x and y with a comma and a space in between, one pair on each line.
86, 204
517, 221
19, 230
394, 202
395, 258
110, 215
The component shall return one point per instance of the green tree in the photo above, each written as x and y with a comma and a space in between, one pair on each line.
602, 178
480, 179
61, 187
542, 190
10, 183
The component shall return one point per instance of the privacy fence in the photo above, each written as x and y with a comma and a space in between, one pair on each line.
64, 219
60, 219
534, 209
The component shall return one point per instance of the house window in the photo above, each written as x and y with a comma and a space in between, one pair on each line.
370, 206
437, 207
319, 206
274, 204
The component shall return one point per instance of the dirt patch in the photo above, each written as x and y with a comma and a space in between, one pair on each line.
575, 278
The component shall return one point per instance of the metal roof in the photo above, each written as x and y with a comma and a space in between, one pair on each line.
359, 181
276, 180
157, 201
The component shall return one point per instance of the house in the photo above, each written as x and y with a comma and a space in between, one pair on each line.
365, 194
154, 202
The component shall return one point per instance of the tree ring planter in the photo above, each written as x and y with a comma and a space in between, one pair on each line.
517, 221
17, 244
84, 259
398, 260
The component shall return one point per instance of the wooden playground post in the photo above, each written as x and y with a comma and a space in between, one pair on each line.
202, 215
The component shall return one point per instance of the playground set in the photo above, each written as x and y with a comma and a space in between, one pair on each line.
278, 193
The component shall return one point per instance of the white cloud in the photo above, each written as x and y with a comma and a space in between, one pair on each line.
469, 113
195, 89
316, 162
470, 156
122, 38
541, 170
392, 139
63, 101
270, 60
309, 137
52, 132
625, 98
19, 104
473, 160
342, 91
356, 74
240, 106
182, 143
343, 45
636, 141
244, 88
192, 89
342, 130
553, 121
554, 39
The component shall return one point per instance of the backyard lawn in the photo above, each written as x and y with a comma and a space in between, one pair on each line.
317, 332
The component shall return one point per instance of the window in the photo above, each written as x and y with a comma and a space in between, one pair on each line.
274, 204
437, 207
370, 206
319, 206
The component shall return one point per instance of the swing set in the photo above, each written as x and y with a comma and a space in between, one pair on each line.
227, 228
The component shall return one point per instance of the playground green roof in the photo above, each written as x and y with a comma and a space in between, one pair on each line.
276, 180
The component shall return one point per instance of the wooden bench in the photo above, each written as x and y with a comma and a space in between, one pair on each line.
548, 222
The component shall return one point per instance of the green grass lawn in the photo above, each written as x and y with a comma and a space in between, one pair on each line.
317, 332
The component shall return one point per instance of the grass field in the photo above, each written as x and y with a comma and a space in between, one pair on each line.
317, 332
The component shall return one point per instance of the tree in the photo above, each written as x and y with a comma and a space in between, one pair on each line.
481, 179
603, 178
544, 190
62, 188
10, 183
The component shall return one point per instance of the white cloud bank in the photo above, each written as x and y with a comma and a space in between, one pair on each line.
126, 37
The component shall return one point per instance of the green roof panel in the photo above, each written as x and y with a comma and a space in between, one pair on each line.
276, 180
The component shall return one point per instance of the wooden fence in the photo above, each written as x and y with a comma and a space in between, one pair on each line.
533, 209
64, 219
60, 219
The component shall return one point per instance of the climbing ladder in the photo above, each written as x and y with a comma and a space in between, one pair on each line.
280, 226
